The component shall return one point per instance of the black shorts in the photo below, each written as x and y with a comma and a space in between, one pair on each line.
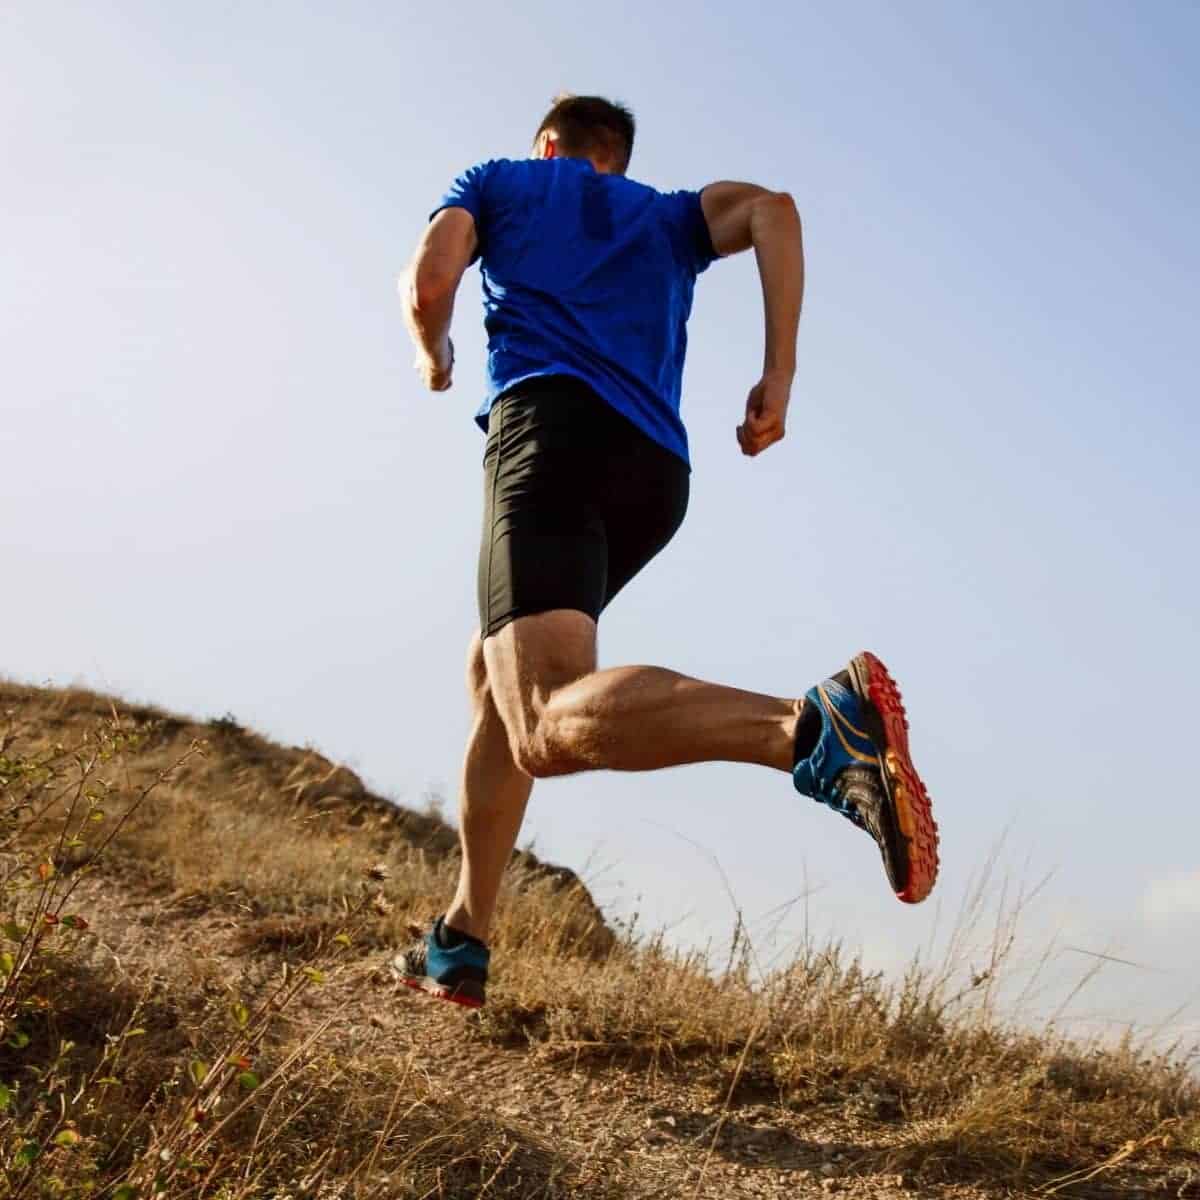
577, 500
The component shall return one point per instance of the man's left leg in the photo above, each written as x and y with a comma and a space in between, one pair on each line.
495, 792
451, 960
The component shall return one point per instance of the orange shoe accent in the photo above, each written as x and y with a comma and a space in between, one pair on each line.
442, 993
913, 809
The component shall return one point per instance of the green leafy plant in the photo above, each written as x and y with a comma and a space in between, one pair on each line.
61, 810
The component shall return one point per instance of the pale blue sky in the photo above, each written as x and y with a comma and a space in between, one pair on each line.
223, 489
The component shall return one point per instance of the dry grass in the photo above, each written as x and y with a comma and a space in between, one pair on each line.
341, 1122
968, 1097
263, 849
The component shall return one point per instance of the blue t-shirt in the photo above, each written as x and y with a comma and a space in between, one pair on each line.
588, 275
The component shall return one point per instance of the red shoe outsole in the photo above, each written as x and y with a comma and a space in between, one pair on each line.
441, 993
909, 795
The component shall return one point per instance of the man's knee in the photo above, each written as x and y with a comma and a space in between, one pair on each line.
530, 666
522, 729
539, 759
549, 745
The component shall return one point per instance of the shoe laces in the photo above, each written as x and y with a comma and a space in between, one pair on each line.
840, 800
416, 955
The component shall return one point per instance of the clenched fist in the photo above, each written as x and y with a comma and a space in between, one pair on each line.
766, 413
437, 373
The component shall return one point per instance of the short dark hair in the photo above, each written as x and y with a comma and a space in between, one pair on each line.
586, 124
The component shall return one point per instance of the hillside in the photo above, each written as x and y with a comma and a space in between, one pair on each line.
196, 1002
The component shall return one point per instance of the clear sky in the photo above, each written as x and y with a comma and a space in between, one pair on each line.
222, 489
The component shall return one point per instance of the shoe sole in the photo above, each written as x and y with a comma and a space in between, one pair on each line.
910, 799
463, 995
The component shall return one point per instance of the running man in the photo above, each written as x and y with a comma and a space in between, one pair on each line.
587, 287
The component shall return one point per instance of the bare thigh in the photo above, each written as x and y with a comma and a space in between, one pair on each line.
527, 662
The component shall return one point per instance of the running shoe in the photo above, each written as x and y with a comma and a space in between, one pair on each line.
861, 768
457, 973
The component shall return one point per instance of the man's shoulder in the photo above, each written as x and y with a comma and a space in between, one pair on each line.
664, 199
517, 169
485, 166
500, 175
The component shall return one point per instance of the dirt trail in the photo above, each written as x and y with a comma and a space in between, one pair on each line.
650, 1133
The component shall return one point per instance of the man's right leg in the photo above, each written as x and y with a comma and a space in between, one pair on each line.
845, 743
564, 716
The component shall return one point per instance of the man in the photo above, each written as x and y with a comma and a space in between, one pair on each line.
587, 286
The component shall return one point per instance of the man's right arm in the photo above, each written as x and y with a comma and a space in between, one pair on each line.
740, 216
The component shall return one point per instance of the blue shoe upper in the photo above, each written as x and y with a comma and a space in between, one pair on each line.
844, 742
444, 964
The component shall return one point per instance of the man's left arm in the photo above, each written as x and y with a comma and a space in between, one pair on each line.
428, 287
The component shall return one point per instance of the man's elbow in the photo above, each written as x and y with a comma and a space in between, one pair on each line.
772, 214
423, 288
779, 205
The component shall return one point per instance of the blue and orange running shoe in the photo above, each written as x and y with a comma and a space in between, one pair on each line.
860, 766
457, 973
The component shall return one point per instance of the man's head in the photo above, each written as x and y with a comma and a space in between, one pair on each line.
587, 127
